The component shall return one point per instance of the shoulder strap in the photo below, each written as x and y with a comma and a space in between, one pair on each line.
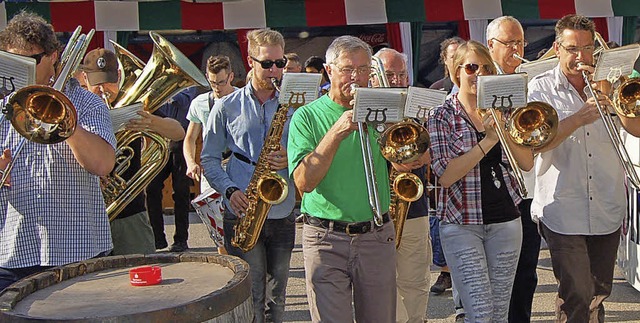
211, 100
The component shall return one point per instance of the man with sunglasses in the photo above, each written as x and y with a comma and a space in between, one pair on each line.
53, 212
347, 258
505, 38
240, 122
580, 194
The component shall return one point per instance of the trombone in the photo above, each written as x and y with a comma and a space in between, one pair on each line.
624, 94
43, 114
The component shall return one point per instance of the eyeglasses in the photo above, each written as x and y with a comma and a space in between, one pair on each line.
267, 63
219, 83
472, 68
575, 49
37, 57
347, 70
398, 76
512, 43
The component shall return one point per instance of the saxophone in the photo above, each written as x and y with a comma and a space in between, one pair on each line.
405, 188
266, 187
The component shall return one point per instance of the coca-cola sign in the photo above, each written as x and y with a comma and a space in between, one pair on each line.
374, 39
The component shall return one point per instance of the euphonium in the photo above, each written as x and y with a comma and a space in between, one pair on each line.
265, 188
43, 114
406, 188
167, 73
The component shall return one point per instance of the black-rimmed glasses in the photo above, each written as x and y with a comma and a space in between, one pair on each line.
37, 57
267, 63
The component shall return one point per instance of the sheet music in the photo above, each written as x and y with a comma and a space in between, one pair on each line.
16, 72
502, 91
617, 62
421, 100
120, 116
379, 105
299, 88
536, 68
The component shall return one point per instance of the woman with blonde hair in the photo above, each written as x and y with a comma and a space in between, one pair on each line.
480, 225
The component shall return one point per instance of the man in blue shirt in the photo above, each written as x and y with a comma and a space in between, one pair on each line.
241, 122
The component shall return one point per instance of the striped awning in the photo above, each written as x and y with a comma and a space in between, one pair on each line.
240, 14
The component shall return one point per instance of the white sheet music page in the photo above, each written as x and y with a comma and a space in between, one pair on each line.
379, 105
504, 91
421, 100
120, 116
536, 68
16, 72
299, 88
617, 62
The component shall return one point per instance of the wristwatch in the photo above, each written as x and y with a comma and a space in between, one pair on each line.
230, 191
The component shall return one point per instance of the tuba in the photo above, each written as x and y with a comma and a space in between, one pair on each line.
266, 187
43, 114
166, 73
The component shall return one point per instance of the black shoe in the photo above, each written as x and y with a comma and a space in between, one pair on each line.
443, 283
179, 247
161, 245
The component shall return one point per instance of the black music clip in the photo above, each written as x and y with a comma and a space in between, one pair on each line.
6, 90
422, 113
502, 106
376, 115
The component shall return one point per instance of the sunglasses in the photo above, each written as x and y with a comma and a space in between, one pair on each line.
38, 57
472, 68
267, 63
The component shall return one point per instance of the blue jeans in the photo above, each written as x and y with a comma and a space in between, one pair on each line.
268, 264
436, 246
483, 261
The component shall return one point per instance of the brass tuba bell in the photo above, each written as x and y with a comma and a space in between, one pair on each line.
534, 125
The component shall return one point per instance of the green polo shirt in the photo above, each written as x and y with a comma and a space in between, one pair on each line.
342, 193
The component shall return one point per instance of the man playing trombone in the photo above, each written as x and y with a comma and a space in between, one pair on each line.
580, 195
348, 257
53, 213
505, 40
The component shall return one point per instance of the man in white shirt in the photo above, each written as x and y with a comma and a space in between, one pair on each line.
580, 196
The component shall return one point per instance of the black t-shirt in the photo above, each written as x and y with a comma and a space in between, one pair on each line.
497, 205
420, 207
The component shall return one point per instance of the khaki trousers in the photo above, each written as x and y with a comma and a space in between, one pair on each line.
413, 264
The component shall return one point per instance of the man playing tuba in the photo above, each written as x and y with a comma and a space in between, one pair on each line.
130, 230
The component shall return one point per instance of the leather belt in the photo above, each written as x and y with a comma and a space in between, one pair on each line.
350, 228
243, 158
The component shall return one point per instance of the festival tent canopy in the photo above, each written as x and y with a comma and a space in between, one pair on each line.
241, 14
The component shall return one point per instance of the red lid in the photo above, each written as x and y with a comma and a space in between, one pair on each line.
145, 276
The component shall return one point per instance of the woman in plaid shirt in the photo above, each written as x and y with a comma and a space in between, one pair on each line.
480, 225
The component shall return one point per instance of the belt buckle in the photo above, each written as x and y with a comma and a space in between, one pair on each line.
347, 230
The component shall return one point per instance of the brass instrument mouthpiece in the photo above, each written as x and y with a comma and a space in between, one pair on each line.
276, 83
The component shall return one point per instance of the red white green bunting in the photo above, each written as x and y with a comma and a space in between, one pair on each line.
207, 15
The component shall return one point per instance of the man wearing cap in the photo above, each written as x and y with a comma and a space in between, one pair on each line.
130, 230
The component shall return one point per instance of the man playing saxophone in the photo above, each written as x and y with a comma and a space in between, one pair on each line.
414, 252
348, 258
131, 231
53, 212
241, 122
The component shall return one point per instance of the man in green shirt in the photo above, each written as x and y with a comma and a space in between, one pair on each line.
345, 252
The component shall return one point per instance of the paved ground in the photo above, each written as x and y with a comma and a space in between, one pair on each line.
622, 306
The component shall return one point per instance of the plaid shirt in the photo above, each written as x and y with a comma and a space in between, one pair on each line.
54, 212
451, 136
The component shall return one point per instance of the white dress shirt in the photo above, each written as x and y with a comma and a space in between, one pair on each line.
579, 185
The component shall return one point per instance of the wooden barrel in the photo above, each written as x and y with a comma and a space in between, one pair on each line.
195, 287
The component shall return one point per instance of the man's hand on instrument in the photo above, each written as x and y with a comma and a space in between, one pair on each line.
589, 111
194, 171
278, 159
144, 123
239, 203
5, 159
344, 126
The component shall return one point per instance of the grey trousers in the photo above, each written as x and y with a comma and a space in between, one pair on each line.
340, 268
